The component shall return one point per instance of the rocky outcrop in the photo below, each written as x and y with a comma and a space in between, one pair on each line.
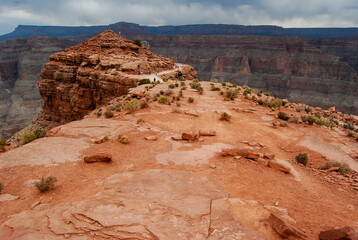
93, 72
21, 61
287, 67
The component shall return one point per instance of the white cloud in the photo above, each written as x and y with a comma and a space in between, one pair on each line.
286, 13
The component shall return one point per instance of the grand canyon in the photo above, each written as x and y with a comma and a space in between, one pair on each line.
248, 135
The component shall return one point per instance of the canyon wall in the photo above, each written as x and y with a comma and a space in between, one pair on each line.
21, 61
287, 67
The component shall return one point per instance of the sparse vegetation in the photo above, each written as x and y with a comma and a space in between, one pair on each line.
45, 184
190, 100
123, 139
225, 117
37, 133
213, 88
302, 158
283, 116
196, 85
260, 102
163, 100
1, 187
105, 139
276, 103
165, 79
2, 145
343, 167
231, 93
108, 114
143, 103
132, 106
308, 109
309, 119
171, 86
284, 124
348, 126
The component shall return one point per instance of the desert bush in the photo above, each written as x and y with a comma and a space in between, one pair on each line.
163, 100
123, 139
274, 124
260, 102
302, 158
309, 119
276, 103
137, 42
171, 86
223, 84
308, 109
37, 133
1, 187
168, 92
118, 107
190, 100
283, 116
132, 106
221, 92
247, 91
343, 167
2, 148
231, 93
225, 117
3, 142
334, 121
294, 119
178, 104
108, 114
144, 81
45, 184
140, 120
213, 88
143, 103
214, 80
283, 124
99, 113
105, 139
321, 121
182, 84
196, 80
197, 86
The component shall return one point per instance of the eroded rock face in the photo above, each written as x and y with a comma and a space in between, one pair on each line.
21, 61
151, 204
287, 67
91, 73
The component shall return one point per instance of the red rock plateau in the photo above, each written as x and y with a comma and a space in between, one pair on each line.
286, 67
89, 74
237, 179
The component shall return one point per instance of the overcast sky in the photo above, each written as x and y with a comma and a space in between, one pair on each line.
286, 13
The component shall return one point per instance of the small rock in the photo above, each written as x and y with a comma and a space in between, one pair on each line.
269, 155
276, 204
346, 233
176, 138
7, 197
335, 169
245, 142
237, 157
285, 229
151, 138
192, 113
332, 109
98, 158
207, 133
213, 166
279, 166
190, 136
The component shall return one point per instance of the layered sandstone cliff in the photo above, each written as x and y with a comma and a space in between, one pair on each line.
285, 66
93, 72
21, 61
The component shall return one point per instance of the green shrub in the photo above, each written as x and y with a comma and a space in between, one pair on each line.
196, 80
44, 185
144, 81
221, 92
283, 116
309, 119
165, 79
123, 139
140, 120
248, 91
137, 42
163, 100
308, 109
276, 103
108, 114
118, 107
176, 85
132, 106
105, 139
190, 100
182, 84
171, 86
231, 93
37, 133
99, 113
3, 142
302, 158
143, 103
213, 88
1, 187
343, 167
321, 121
2, 148
225, 117
348, 126
283, 124
223, 84
260, 102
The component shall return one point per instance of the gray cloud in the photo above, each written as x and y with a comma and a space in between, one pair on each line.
286, 13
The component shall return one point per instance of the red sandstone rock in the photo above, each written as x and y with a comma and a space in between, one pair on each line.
207, 133
346, 233
285, 229
246, 153
98, 158
279, 166
190, 136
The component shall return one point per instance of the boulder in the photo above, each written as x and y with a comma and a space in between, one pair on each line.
102, 157
346, 233
278, 166
246, 153
284, 228
190, 136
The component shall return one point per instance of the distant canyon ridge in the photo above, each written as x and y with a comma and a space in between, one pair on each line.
315, 66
